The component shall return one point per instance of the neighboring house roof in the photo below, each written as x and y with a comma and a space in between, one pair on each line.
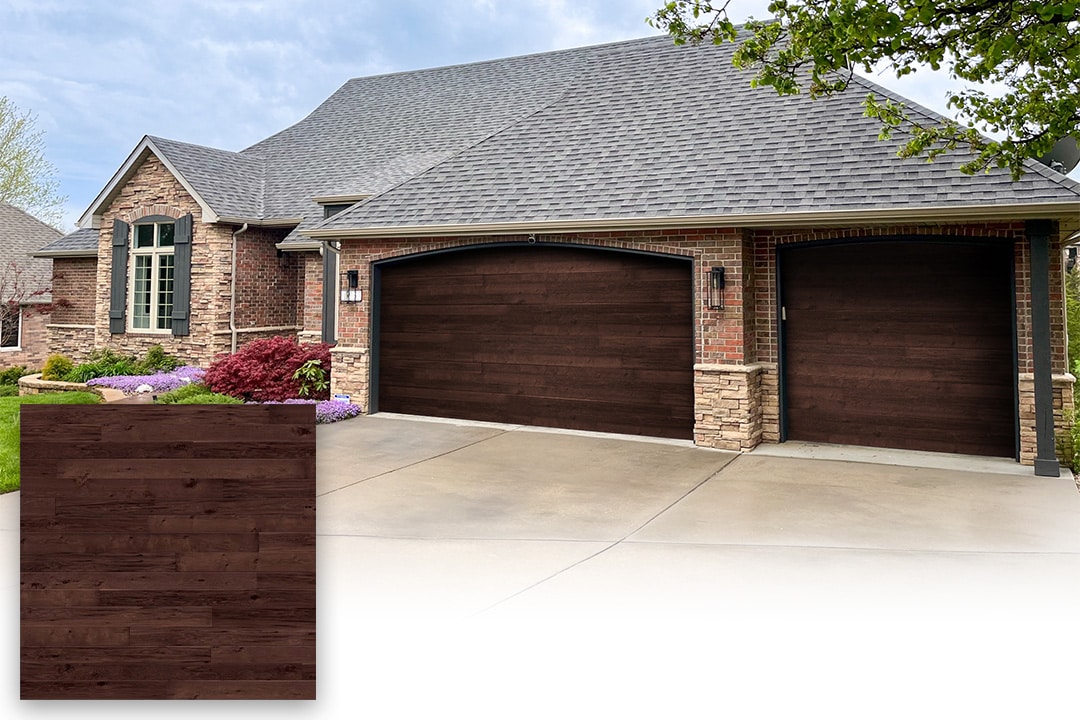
650, 132
631, 134
81, 243
20, 235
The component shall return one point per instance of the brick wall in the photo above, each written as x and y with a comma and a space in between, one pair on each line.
74, 286
310, 296
266, 282
33, 341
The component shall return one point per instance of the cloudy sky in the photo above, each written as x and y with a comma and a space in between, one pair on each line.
100, 74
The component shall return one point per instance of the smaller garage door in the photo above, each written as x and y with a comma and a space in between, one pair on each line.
543, 335
900, 344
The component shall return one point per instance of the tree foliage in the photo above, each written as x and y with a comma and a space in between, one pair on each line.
1029, 49
27, 179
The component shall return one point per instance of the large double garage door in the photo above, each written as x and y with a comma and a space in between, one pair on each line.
543, 334
903, 344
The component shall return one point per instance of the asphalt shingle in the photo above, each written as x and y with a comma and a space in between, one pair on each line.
635, 129
652, 130
83, 239
21, 234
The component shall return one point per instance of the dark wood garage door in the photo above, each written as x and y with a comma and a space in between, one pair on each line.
541, 335
900, 344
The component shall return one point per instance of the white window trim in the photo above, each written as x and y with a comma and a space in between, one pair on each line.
155, 265
18, 342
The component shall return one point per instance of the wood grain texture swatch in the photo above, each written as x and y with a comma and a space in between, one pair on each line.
168, 552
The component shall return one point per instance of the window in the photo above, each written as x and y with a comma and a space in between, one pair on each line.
11, 327
152, 276
330, 211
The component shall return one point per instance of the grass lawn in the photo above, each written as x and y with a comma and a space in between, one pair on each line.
9, 429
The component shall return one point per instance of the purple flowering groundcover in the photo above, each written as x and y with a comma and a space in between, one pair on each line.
326, 411
159, 382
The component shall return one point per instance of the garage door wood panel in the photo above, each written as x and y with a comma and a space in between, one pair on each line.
900, 344
540, 335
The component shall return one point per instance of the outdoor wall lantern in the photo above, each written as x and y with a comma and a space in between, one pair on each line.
716, 288
350, 287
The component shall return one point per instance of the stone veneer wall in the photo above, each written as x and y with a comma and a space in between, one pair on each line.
267, 285
1063, 416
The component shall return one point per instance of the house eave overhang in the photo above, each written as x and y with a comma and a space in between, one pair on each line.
1067, 213
259, 222
91, 253
340, 199
92, 216
302, 246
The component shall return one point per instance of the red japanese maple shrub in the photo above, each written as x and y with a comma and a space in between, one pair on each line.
262, 370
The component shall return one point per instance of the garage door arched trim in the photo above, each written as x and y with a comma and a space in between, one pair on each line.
585, 336
982, 284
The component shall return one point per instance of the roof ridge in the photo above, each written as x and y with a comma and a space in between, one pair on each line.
591, 59
476, 63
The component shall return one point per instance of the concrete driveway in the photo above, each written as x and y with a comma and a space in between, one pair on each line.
496, 572
460, 519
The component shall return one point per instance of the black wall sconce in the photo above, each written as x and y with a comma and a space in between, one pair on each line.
716, 288
350, 287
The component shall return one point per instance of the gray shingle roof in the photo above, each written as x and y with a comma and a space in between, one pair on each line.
82, 240
648, 129
376, 132
635, 129
20, 235
229, 182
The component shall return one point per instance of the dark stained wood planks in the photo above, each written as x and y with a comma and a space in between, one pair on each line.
903, 344
168, 552
554, 336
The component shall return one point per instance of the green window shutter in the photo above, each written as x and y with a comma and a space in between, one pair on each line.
182, 276
118, 295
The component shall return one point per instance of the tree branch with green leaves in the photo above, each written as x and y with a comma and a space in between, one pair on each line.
1029, 51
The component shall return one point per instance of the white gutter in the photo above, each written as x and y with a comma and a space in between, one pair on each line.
300, 246
232, 292
954, 214
66, 254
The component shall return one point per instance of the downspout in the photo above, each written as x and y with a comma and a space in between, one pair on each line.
232, 291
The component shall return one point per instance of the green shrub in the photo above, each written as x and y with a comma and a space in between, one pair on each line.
9, 390
57, 367
212, 398
12, 374
102, 363
1072, 314
156, 360
196, 394
180, 393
